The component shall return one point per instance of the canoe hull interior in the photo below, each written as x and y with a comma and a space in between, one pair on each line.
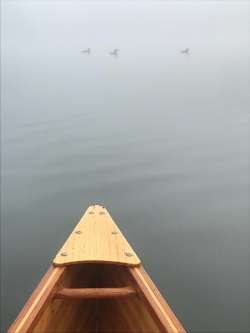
118, 314
96, 298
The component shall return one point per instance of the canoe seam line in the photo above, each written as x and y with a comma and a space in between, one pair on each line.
35, 302
157, 302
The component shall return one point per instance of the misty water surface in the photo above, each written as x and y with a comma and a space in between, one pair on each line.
158, 137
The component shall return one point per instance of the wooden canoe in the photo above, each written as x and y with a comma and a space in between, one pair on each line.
96, 284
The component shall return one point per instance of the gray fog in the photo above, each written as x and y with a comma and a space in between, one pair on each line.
158, 136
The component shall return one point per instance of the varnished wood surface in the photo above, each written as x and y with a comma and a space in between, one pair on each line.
124, 315
144, 311
101, 287
37, 301
155, 302
96, 238
86, 293
71, 315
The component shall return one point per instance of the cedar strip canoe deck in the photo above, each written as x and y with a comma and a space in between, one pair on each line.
96, 238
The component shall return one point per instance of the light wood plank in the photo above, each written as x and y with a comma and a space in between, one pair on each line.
96, 238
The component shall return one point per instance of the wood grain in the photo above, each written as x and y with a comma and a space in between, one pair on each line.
155, 302
96, 239
59, 304
90, 295
71, 315
86, 293
124, 315
37, 301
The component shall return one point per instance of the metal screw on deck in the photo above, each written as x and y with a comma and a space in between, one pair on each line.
128, 254
114, 232
64, 254
78, 232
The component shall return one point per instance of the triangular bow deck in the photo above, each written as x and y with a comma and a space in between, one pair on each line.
96, 239
99, 287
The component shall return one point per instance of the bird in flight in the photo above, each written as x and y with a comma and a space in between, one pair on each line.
86, 51
186, 51
114, 52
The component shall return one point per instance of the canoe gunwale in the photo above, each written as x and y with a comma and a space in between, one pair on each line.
154, 301
34, 306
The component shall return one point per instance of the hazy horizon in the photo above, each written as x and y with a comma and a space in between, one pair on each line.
159, 137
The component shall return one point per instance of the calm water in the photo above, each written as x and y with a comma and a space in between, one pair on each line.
159, 137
